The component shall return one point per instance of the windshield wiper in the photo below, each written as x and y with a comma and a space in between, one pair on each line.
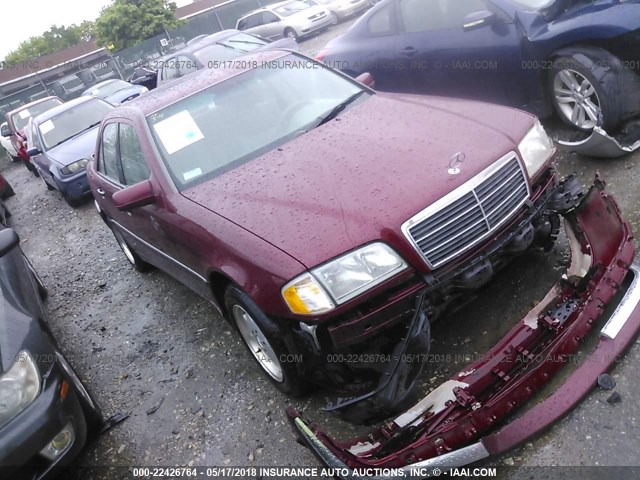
246, 42
235, 49
338, 109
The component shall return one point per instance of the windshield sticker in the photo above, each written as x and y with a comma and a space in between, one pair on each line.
23, 114
46, 127
196, 172
178, 131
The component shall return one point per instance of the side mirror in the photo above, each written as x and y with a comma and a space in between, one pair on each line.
8, 241
478, 19
32, 152
6, 131
366, 79
135, 196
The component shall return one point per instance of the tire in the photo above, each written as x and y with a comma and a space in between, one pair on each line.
290, 33
49, 187
578, 95
268, 341
135, 261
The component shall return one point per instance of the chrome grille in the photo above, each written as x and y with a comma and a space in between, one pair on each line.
470, 213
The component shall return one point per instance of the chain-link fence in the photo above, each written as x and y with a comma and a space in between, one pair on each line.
79, 76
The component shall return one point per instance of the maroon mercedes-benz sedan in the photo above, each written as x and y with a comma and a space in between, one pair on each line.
329, 223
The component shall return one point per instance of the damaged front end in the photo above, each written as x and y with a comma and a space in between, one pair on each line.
602, 145
471, 416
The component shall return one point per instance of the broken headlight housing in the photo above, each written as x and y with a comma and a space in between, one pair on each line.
74, 167
536, 148
340, 280
19, 386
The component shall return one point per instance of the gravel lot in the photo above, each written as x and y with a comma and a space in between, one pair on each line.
140, 339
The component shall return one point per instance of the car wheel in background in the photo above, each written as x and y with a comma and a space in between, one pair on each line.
265, 340
290, 33
583, 100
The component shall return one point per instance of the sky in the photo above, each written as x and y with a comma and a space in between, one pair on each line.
28, 18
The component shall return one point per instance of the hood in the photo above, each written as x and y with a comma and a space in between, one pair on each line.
75, 148
359, 177
126, 94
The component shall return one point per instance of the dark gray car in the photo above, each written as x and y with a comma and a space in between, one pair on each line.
46, 414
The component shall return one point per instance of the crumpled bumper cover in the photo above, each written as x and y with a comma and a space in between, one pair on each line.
464, 419
601, 145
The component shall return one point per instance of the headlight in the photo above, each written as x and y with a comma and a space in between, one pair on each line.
19, 386
342, 279
536, 147
74, 167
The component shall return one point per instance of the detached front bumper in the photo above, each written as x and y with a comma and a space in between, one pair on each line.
462, 421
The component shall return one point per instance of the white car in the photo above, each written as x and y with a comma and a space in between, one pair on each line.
292, 19
341, 9
6, 142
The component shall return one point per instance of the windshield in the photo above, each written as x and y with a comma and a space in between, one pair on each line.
290, 8
228, 48
534, 4
71, 83
21, 118
107, 89
245, 116
73, 121
102, 70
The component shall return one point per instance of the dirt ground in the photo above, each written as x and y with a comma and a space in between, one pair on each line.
140, 339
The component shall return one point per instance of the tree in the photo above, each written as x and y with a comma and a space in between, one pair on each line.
55, 39
128, 22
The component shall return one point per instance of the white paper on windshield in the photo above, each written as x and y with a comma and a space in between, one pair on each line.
46, 127
196, 172
24, 113
178, 131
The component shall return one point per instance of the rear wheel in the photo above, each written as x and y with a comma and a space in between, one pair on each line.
137, 263
266, 342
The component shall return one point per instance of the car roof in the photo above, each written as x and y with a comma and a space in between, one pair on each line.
171, 92
208, 40
63, 108
29, 105
102, 84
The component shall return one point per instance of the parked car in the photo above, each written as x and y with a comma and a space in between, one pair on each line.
17, 120
212, 51
5, 192
341, 9
68, 87
144, 76
61, 142
115, 91
7, 144
314, 212
103, 71
581, 58
46, 413
293, 18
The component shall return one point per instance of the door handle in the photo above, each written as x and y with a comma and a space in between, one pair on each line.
408, 51
100, 191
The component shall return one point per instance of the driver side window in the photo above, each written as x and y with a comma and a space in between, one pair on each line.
134, 166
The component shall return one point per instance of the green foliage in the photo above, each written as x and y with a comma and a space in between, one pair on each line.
128, 22
56, 38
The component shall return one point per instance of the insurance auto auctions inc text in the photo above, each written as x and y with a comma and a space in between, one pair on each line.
351, 473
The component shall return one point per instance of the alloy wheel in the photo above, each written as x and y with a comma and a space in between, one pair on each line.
577, 99
257, 343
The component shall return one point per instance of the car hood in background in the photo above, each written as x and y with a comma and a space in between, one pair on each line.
360, 176
76, 148
125, 94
